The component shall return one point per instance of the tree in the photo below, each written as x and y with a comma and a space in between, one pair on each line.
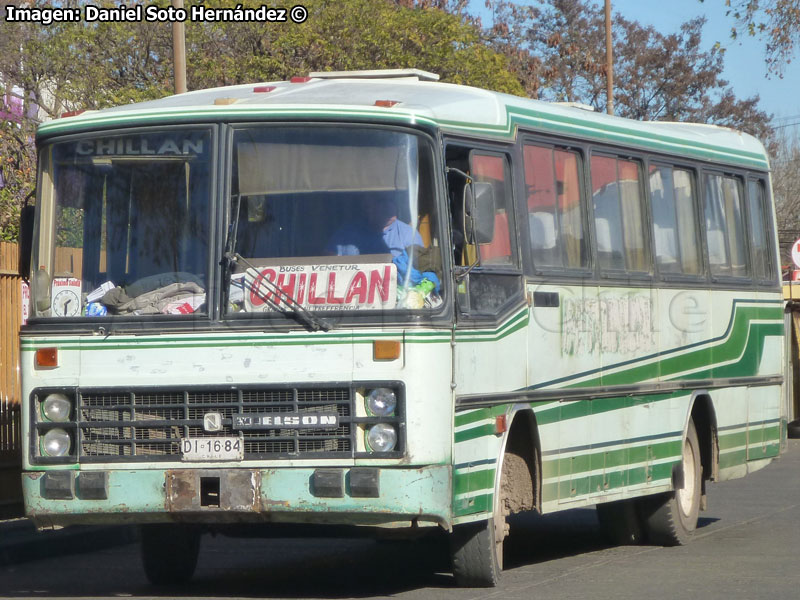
776, 22
358, 34
786, 190
656, 76
68, 66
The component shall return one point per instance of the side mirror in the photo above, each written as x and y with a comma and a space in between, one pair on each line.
480, 206
26, 218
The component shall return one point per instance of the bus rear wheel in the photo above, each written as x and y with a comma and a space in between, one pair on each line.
619, 522
169, 553
670, 520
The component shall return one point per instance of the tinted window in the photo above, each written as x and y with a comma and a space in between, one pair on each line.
493, 170
675, 233
759, 238
618, 214
727, 253
553, 189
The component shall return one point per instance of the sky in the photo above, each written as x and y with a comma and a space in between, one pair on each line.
745, 69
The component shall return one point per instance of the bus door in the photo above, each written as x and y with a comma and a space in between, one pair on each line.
490, 352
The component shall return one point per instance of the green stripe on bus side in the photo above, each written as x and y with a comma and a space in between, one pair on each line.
475, 504
732, 440
575, 487
474, 433
464, 483
732, 459
611, 459
515, 116
577, 408
229, 112
514, 323
521, 319
763, 435
744, 341
481, 414
239, 340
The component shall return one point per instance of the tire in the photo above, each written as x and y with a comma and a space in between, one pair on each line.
169, 553
474, 554
620, 523
671, 519
793, 429
476, 549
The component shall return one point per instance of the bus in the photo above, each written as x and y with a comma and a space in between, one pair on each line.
376, 301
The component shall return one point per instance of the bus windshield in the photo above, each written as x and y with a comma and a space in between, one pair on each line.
123, 226
332, 219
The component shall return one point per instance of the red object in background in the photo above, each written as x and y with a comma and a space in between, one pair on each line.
795, 275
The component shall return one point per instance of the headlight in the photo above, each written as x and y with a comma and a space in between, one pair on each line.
57, 407
56, 442
381, 402
382, 437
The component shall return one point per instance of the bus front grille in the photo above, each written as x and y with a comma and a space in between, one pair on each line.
150, 424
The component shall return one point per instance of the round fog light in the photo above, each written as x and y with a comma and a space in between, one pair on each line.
381, 402
382, 438
56, 407
56, 442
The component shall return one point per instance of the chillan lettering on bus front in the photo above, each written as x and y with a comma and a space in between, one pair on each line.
322, 287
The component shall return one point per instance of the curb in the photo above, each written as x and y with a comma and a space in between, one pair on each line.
21, 542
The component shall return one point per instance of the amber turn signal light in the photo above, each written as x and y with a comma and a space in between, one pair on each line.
385, 350
500, 424
47, 357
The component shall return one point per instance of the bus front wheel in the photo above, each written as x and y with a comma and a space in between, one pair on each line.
476, 548
169, 553
670, 520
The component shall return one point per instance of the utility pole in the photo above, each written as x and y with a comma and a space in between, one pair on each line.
609, 63
179, 51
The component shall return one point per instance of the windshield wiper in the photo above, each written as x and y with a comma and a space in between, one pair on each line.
295, 309
229, 260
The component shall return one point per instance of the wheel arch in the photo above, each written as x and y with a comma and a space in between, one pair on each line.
705, 421
523, 438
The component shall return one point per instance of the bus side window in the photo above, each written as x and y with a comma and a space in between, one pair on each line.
675, 233
494, 285
619, 214
493, 169
552, 182
762, 256
727, 253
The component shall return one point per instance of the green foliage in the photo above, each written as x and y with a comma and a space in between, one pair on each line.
340, 36
775, 22
18, 168
657, 76
69, 66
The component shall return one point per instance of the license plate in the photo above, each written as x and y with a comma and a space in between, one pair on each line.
212, 448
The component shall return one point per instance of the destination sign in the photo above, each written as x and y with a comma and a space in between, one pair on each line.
322, 287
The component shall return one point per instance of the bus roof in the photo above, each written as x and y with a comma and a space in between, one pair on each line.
408, 97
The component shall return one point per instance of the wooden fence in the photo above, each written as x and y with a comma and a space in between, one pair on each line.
10, 431
10, 319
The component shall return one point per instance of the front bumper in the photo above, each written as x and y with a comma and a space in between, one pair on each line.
391, 497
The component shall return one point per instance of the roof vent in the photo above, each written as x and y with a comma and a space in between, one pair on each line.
377, 74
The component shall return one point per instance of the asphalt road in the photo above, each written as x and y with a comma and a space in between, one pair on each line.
747, 546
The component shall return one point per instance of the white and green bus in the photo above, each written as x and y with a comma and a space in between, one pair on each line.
375, 300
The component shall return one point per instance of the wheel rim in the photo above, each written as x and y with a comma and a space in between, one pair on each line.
687, 494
